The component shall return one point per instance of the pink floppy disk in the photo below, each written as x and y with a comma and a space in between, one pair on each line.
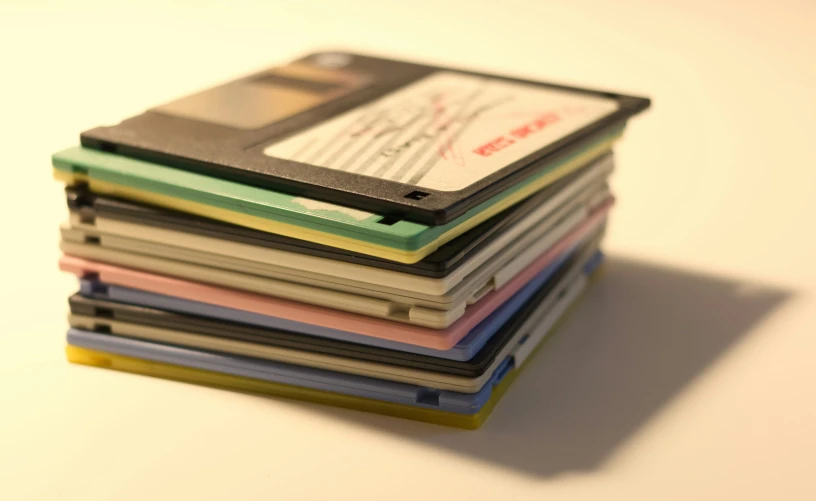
441, 339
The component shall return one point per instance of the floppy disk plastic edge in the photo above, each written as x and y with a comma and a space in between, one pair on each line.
408, 243
253, 386
292, 266
152, 255
317, 378
470, 348
471, 247
548, 310
299, 312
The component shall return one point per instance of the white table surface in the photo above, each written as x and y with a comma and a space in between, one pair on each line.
687, 374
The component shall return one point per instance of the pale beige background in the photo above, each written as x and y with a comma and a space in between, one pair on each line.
688, 374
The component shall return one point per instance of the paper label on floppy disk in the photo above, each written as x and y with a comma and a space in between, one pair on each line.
445, 131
